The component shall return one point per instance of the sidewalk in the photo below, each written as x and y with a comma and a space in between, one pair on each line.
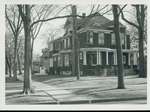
71, 91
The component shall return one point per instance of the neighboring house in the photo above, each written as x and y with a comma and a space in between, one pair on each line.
36, 64
97, 47
44, 60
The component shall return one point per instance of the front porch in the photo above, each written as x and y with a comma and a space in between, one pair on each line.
103, 61
107, 56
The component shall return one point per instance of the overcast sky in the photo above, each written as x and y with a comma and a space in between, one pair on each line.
57, 25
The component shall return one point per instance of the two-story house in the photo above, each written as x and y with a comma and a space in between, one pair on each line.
97, 47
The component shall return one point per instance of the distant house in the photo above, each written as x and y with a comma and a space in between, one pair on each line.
44, 59
97, 47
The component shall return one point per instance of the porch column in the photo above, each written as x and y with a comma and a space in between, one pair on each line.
135, 58
115, 56
125, 40
100, 61
97, 53
106, 57
84, 58
129, 59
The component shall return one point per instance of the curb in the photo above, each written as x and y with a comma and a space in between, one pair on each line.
94, 101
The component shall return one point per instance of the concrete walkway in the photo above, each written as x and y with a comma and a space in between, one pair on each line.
87, 90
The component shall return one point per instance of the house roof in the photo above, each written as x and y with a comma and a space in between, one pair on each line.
92, 21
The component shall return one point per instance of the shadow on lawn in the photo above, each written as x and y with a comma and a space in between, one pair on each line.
42, 78
61, 79
14, 93
12, 80
88, 91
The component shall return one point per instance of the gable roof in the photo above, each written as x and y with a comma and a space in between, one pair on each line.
92, 21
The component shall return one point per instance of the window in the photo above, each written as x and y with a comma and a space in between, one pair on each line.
66, 60
124, 59
50, 46
122, 37
59, 61
68, 42
91, 58
101, 38
103, 58
91, 38
81, 56
55, 58
51, 62
131, 59
113, 39
110, 58
64, 43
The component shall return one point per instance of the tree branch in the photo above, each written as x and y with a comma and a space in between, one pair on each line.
103, 8
121, 9
10, 22
92, 9
107, 11
21, 12
58, 17
127, 21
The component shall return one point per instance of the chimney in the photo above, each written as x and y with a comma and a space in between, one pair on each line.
83, 15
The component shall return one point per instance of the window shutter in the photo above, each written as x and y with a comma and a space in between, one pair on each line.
128, 41
87, 37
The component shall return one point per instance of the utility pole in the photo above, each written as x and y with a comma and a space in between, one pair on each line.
75, 46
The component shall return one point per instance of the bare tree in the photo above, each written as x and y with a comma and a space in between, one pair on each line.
15, 23
75, 46
116, 14
40, 12
25, 12
140, 26
20, 53
9, 45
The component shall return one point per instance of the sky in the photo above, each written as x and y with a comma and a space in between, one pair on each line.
57, 25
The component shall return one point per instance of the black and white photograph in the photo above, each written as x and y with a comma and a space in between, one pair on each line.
76, 54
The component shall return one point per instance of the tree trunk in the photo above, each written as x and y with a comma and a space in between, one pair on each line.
75, 46
27, 62
10, 67
19, 65
8, 64
119, 48
32, 55
15, 58
141, 18
141, 54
